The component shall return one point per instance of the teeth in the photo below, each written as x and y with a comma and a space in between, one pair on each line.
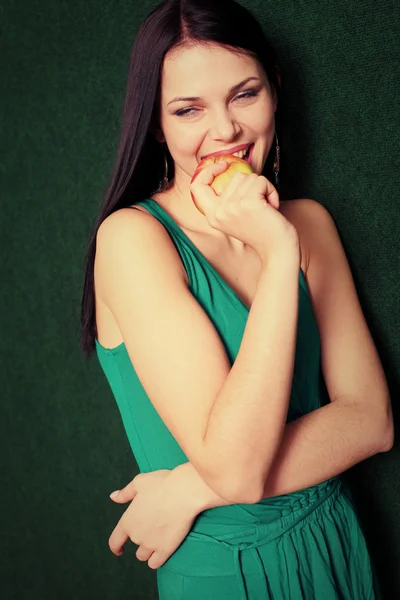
241, 153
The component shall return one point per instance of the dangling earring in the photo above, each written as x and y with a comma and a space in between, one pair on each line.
277, 160
164, 181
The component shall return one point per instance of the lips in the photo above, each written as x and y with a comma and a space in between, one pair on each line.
227, 151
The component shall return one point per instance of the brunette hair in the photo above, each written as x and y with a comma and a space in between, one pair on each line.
140, 159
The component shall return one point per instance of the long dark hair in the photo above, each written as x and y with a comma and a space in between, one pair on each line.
140, 159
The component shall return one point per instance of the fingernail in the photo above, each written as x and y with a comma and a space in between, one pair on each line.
114, 494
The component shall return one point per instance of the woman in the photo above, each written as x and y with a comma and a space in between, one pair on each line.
211, 330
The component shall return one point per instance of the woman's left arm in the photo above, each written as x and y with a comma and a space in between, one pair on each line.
358, 422
315, 447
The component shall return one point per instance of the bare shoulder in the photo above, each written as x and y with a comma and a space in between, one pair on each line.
136, 224
133, 216
141, 234
307, 216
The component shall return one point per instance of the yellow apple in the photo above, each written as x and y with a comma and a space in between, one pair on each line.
235, 165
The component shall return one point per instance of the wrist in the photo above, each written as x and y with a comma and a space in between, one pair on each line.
197, 495
289, 259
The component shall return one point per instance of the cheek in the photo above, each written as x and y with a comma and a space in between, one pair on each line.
263, 118
185, 144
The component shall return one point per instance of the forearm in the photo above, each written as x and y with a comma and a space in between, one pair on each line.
263, 370
315, 447
323, 444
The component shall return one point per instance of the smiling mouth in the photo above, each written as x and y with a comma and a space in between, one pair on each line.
240, 154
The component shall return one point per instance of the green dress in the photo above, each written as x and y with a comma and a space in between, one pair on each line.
301, 546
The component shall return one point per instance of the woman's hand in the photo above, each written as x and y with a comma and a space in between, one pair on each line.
157, 520
247, 209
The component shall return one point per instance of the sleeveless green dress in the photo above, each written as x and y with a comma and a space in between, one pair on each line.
301, 546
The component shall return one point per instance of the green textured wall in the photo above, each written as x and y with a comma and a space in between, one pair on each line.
63, 67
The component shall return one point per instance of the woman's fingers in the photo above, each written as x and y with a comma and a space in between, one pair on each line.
272, 195
117, 540
206, 175
201, 191
126, 494
143, 553
157, 559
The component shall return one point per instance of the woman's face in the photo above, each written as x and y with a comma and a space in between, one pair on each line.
220, 114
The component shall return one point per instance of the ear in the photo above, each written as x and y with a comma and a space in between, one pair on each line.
157, 133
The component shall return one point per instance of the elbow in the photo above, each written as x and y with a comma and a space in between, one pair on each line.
255, 496
388, 438
236, 483
241, 490
387, 430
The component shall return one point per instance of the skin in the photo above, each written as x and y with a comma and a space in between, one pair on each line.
220, 120
318, 445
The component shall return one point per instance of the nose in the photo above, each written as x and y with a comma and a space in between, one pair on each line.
223, 127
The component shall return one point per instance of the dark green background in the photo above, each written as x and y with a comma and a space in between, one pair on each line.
63, 70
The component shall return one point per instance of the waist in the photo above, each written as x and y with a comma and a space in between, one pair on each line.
215, 551
275, 512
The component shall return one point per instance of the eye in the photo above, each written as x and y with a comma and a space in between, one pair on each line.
183, 112
247, 94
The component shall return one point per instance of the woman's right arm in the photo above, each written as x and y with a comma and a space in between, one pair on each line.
228, 421
248, 418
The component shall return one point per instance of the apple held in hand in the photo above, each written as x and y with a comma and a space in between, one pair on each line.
235, 164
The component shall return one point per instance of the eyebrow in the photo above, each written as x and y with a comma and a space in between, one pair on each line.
196, 98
